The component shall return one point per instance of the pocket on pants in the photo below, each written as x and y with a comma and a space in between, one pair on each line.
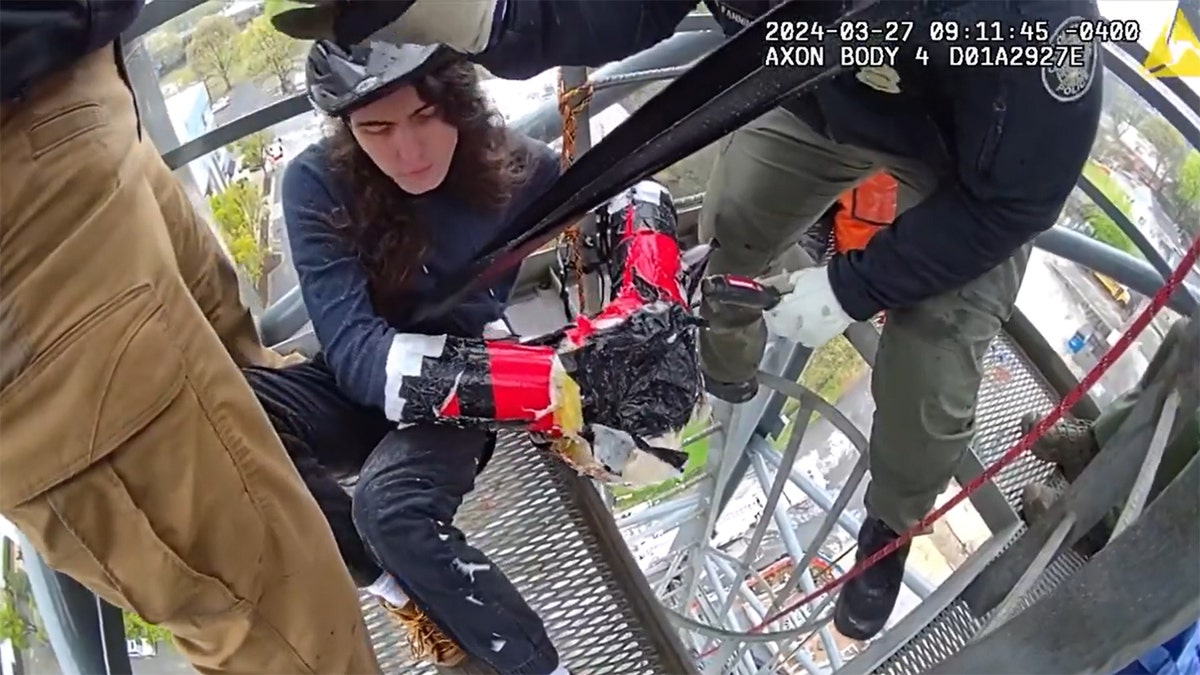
63, 126
85, 393
112, 468
99, 534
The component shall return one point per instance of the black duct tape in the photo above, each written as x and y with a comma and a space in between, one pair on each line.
461, 372
657, 387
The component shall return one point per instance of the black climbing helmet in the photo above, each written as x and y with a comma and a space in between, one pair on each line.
340, 81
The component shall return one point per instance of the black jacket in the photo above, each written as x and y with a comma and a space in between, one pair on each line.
41, 37
1011, 141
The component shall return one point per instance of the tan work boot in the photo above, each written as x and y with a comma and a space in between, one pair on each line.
1069, 444
426, 641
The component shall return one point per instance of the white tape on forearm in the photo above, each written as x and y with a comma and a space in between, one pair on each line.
463, 25
404, 359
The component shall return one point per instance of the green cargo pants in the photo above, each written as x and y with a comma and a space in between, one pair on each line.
772, 180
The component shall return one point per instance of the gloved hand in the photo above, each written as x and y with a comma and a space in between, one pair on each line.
810, 313
462, 25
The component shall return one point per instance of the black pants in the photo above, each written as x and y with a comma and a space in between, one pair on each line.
400, 517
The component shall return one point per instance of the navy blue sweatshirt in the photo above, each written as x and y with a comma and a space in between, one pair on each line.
366, 352
1009, 141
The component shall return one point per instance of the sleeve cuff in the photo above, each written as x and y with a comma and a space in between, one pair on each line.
848, 290
404, 359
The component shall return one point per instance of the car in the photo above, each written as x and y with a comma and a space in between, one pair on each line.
221, 104
140, 648
1117, 291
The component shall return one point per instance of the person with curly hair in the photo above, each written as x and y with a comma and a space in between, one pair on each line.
416, 176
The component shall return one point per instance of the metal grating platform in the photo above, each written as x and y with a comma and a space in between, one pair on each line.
1011, 388
955, 626
542, 525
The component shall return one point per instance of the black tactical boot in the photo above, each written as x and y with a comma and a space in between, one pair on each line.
867, 600
733, 392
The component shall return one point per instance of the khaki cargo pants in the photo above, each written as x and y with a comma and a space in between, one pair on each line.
133, 454
772, 180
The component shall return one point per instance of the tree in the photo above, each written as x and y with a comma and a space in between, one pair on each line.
19, 619
1105, 230
267, 52
1123, 104
252, 150
185, 76
13, 626
211, 52
1187, 193
1170, 145
239, 212
166, 48
137, 628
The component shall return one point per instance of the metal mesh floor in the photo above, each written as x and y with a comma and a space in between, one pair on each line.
955, 625
1011, 388
523, 516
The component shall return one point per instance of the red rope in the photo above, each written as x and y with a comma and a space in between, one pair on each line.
1139, 324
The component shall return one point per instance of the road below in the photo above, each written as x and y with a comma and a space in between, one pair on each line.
294, 135
1055, 297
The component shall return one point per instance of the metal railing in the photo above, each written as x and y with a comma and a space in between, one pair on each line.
81, 627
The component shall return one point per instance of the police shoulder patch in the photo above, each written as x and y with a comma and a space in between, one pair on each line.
1072, 71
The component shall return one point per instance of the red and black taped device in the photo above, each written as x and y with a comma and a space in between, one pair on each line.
482, 383
645, 263
504, 383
